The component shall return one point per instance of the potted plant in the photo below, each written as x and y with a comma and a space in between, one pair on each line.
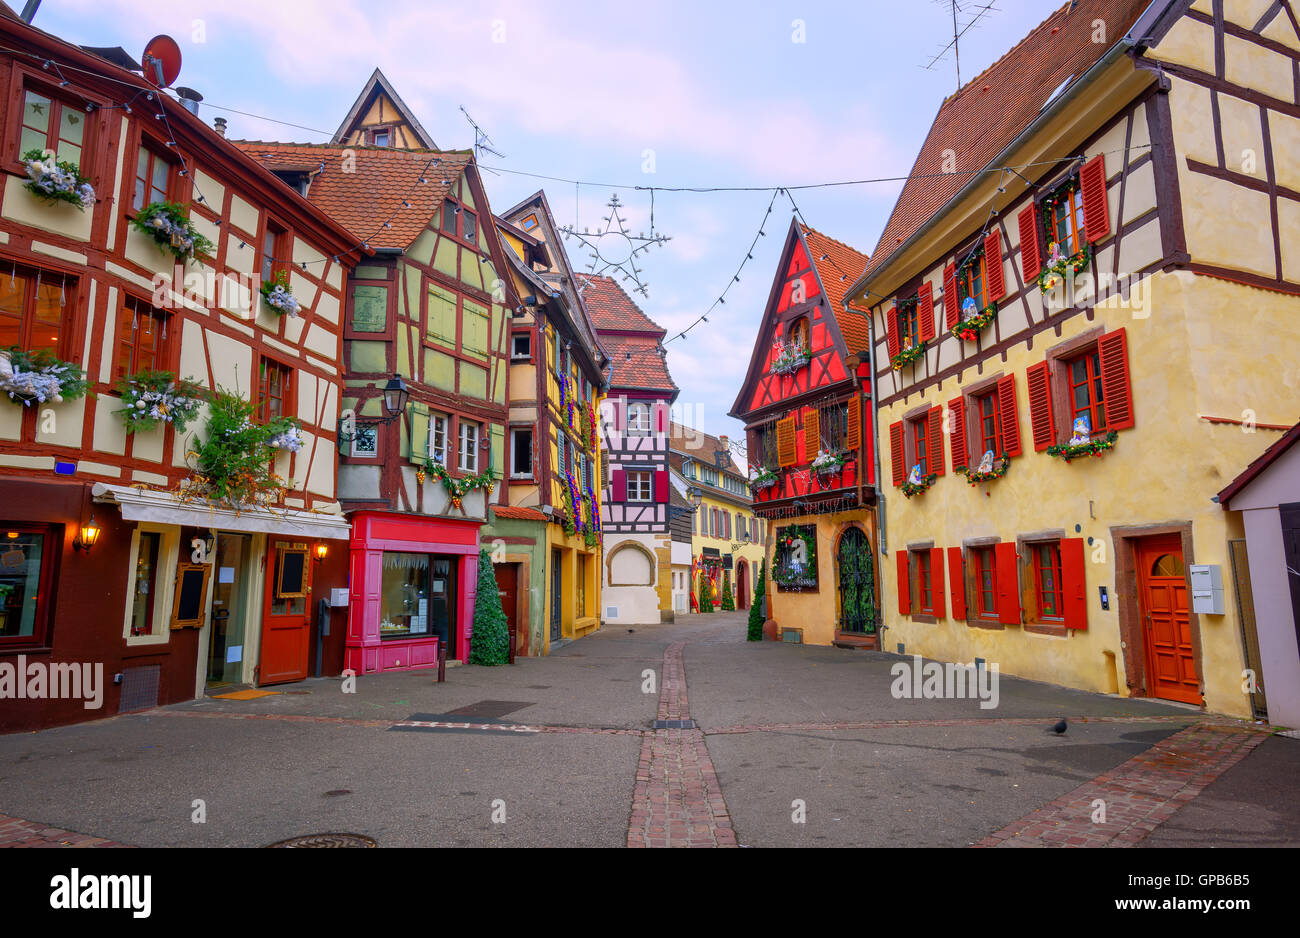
55, 181
827, 463
765, 478
278, 296
168, 223
153, 398
38, 377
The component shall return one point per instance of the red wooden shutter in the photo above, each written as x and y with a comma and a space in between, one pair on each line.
785, 448
896, 452
1010, 415
957, 583
1096, 211
853, 438
951, 305
997, 287
1007, 575
934, 441
661, 486
957, 413
925, 311
892, 331
936, 582
1031, 261
1074, 585
1040, 406
904, 586
1116, 387
618, 478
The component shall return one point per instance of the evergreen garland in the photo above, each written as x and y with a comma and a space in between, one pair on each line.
489, 643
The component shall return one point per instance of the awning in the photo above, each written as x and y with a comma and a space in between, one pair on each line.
165, 508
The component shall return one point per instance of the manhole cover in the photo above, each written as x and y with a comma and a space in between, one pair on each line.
327, 840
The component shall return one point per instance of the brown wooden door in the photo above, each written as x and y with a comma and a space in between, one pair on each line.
286, 614
1166, 629
742, 585
508, 588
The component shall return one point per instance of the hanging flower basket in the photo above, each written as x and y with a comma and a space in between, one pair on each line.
969, 329
789, 361
155, 398
916, 488
278, 296
56, 182
1072, 451
1058, 265
907, 356
827, 463
765, 479
39, 377
975, 476
285, 434
168, 223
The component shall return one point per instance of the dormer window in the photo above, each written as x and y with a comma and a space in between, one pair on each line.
381, 137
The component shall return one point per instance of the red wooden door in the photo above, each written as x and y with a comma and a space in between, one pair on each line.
508, 587
1166, 629
286, 613
742, 585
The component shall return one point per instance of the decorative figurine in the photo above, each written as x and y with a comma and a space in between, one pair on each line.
914, 476
968, 308
986, 463
1082, 431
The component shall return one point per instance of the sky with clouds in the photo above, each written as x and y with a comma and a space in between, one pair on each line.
671, 94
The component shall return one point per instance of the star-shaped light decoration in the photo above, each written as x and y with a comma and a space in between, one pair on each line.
615, 248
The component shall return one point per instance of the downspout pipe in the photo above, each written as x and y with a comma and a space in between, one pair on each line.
875, 460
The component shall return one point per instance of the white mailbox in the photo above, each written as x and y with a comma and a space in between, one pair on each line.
1207, 588
339, 597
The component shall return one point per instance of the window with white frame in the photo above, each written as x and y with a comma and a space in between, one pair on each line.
521, 452
154, 552
438, 438
468, 451
638, 418
638, 486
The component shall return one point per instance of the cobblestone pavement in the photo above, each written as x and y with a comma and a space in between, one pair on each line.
585, 757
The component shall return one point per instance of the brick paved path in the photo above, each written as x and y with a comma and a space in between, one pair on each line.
15, 832
1139, 795
677, 801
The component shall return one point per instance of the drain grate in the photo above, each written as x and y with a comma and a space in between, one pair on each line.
674, 725
327, 840
490, 709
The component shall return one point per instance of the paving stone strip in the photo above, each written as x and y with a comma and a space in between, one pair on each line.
677, 801
973, 721
1139, 795
15, 832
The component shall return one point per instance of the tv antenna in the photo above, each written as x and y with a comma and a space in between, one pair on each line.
974, 12
482, 142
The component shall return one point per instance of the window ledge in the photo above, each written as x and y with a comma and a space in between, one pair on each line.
986, 624
26, 650
925, 617
1056, 629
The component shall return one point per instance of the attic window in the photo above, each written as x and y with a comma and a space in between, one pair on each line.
529, 223
381, 137
1055, 94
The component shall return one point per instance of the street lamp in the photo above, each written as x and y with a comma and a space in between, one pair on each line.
396, 397
396, 394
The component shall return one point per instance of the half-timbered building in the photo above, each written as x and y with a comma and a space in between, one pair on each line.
1082, 326
806, 405
636, 495
117, 552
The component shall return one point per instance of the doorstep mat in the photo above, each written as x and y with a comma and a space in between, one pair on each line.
245, 695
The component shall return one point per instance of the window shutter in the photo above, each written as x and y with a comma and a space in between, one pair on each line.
957, 413
419, 434
785, 450
934, 441
661, 485
997, 287
1074, 588
1096, 211
1112, 349
892, 331
1040, 406
1008, 582
925, 311
956, 583
853, 437
896, 452
951, 305
904, 586
619, 481
1031, 261
1010, 415
936, 582
811, 435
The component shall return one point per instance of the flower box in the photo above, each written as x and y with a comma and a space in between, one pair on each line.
277, 295
39, 377
56, 182
1072, 451
168, 223
155, 398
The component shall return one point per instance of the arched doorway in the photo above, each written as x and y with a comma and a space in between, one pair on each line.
857, 583
742, 585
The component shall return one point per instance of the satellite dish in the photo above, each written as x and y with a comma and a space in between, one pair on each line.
161, 61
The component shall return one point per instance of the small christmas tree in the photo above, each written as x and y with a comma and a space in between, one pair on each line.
756, 609
489, 644
706, 593
728, 601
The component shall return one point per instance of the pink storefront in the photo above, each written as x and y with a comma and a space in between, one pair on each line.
411, 578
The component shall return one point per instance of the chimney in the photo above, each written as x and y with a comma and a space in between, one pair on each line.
189, 99
219, 124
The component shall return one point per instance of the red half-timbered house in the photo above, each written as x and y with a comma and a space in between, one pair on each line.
806, 405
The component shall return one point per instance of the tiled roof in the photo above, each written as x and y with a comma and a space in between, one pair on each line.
637, 362
856, 329
363, 199
699, 445
838, 265
517, 512
611, 308
1260, 463
987, 113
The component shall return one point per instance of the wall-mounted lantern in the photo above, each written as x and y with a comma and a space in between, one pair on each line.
88, 536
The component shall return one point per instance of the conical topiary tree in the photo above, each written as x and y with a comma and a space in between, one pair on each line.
756, 608
728, 601
706, 593
489, 644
